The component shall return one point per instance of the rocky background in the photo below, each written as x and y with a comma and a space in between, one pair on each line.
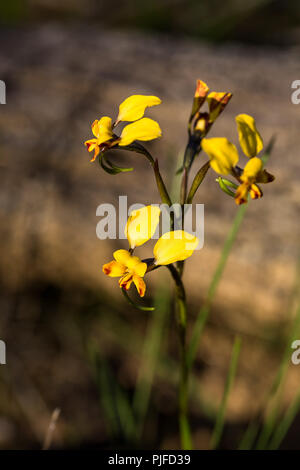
57, 306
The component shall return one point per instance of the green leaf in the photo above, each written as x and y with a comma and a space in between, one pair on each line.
179, 171
197, 181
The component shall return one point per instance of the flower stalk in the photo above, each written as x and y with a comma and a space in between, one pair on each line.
174, 247
184, 428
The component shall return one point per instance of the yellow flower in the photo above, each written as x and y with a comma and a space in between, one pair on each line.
129, 268
250, 174
224, 158
174, 246
171, 247
216, 102
141, 225
132, 109
102, 130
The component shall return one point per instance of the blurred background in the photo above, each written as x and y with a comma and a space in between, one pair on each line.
73, 342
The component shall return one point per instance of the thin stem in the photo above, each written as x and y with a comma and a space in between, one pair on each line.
183, 188
277, 388
285, 423
51, 429
185, 433
138, 148
151, 357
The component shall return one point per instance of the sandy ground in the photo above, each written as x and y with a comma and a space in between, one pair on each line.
60, 80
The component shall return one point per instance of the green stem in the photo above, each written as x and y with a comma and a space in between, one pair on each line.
138, 148
183, 188
185, 433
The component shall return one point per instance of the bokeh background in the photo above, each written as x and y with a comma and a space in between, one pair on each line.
72, 341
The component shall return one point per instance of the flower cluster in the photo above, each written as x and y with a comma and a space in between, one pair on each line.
171, 247
201, 121
176, 246
224, 158
130, 110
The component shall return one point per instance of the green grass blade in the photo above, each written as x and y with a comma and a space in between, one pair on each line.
252, 430
219, 424
249, 436
277, 387
114, 400
100, 373
205, 310
285, 423
150, 357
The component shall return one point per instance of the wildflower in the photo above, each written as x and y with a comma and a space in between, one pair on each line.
132, 110
171, 247
130, 268
216, 102
140, 227
200, 121
224, 158
103, 133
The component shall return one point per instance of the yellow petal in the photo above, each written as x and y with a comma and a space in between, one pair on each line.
136, 266
144, 129
201, 89
125, 281
202, 123
222, 153
251, 170
255, 191
132, 263
102, 129
95, 128
133, 108
122, 256
241, 195
97, 151
90, 144
140, 268
114, 269
174, 246
140, 285
141, 225
249, 137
